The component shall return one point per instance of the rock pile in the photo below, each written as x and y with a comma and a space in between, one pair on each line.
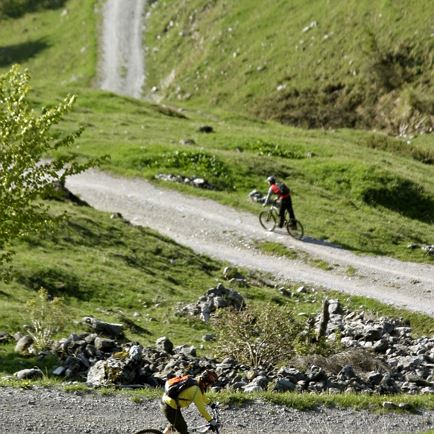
215, 298
194, 181
379, 356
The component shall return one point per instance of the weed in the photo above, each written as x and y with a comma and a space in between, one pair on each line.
47, 317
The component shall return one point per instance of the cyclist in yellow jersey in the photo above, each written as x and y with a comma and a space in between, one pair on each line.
196, 394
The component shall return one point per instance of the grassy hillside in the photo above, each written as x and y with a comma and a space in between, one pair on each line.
57, 44
106, 268
309, 63
365, 191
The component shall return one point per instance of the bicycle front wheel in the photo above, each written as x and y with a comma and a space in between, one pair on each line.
295, 230
149, 431
267, 220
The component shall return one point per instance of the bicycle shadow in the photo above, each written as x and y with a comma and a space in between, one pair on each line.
310, 240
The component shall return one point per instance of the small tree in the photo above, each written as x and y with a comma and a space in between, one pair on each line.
47, 317
262, 337
25, 139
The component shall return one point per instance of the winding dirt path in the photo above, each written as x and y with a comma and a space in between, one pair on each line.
122, 65
222, 232
227, 234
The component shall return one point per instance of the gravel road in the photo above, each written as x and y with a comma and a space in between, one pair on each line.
51, 411
219, 231
122, 61
227, 234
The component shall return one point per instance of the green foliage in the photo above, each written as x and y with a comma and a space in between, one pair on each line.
277, 150
258, 337
25, 139
192, 163
377, 187
47, 317
401, 147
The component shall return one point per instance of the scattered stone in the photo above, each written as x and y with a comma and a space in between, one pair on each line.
29, 374
181, 179
205, 129
187, 142
106, 329
215, 298
23, 345
380, 357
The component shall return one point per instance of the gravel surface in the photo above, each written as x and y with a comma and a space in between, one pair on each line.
52, 411
227, 234
122, 61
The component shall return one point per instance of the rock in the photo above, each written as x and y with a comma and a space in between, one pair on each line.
187, 350
104, 344
23, 344
29, 374
104, 328
205, 129
164, 344
59, 371
257, 196
284, 385
5, 337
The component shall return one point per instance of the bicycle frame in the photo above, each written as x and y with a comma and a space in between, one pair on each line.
269, 218
202, 428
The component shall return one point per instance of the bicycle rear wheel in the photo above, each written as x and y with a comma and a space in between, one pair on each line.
296, 231
267, 220
149, 431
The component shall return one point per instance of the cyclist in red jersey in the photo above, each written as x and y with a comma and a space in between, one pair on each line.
281, 190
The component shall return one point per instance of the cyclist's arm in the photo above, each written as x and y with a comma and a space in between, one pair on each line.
200, 400
270, 192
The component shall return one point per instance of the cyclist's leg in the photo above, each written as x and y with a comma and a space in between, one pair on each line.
282, 210
290, 210
174, 416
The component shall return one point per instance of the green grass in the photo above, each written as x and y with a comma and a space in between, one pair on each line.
103, 267
277, 249
360, 190
377, 206
294, 60
308, 401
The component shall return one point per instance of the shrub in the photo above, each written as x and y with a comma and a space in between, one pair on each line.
259, 337
47, 317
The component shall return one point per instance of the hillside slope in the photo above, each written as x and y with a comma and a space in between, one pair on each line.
308, 63
223, 233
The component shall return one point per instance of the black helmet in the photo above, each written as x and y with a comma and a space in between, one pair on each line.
271, 179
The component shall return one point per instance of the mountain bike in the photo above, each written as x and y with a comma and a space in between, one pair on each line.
269, 218
200, 429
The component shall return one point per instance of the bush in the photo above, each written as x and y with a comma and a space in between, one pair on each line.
192, 163
47, 317
259, 337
